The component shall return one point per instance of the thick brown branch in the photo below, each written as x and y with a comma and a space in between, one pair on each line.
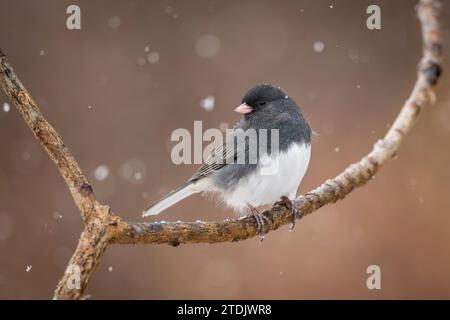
78, 184
102, 227
91, 246
96, 217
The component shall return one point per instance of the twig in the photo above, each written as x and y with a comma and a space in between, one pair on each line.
102, 227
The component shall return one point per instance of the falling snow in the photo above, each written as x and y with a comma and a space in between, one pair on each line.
110, 268
133, 170
101, 172
153, 57
6, 107
28, 268
208, 103
57, 215
207, 46
26, 156
114, 22
318, 46
168, 10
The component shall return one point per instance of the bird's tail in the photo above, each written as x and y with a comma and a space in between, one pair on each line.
170, 199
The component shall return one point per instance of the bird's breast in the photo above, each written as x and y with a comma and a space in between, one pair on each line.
276, 175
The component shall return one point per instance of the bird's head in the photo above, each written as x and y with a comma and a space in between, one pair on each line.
259, 97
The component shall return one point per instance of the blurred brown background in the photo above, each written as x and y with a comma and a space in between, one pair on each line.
137, 70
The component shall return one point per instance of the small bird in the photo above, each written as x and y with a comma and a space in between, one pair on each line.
276, 171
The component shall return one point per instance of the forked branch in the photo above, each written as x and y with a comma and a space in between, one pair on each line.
102, 227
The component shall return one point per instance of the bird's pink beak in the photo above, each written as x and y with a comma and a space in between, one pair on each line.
243, 109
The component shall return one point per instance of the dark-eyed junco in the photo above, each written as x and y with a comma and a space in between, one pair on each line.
277, 168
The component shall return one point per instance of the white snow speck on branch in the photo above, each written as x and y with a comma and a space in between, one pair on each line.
6, 107
208, 103
207, 46
318, 46
101, 172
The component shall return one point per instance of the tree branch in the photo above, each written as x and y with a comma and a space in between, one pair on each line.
68, 167
97, 217
91, 246
102, 227
356, 175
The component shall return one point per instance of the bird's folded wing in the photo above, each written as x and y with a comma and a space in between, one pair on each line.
219, 157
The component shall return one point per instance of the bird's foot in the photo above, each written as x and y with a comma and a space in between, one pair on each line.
296, 214
260, 220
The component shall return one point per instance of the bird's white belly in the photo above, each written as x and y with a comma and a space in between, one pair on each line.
276, 176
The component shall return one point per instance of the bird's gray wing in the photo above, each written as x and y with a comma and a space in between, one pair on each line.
221, 156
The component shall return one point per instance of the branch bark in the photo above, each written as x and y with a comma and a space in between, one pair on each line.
102, 227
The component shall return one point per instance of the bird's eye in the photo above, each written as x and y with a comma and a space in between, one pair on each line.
262, 103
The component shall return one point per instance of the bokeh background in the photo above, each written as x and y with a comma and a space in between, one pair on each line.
137, 70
